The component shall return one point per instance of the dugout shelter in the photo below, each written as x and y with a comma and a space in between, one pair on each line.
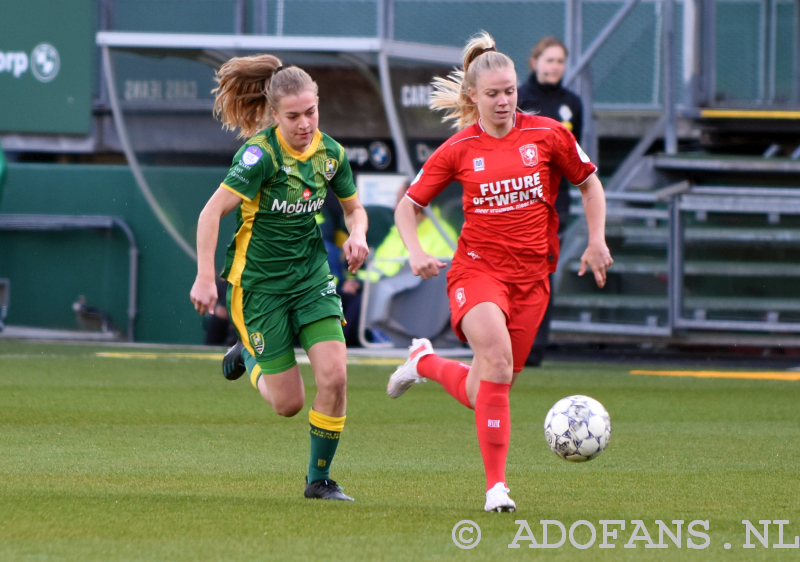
362, 55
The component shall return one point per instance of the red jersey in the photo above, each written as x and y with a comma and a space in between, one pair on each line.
510, 185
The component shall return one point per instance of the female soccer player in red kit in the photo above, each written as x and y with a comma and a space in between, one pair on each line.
509, 165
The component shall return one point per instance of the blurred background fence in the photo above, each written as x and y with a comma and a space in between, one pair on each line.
66, 157
754, 40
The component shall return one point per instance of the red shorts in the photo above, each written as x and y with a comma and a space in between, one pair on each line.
524, 305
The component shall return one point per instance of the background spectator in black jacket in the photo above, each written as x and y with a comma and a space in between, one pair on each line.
543, 94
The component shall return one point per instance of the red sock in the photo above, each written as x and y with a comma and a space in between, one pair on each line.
452, 375
493, 422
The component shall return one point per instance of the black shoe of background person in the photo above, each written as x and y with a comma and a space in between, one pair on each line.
233, 364
535, 357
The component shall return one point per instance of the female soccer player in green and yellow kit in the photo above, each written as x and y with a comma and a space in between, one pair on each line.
280, 283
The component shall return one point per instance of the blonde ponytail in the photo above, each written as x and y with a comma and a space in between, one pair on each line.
451, 94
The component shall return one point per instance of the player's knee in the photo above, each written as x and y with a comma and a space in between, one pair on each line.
289, 408
499, 367
333, 382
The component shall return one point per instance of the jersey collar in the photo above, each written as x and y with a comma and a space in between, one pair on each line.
301, 156
513, 125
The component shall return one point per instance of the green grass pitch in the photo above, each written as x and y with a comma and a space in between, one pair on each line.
161, 459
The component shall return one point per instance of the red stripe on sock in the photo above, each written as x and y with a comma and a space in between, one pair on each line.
452, 375
493, 423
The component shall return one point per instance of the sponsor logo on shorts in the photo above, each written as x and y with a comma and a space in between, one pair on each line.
474, 255
461, 297
252, 155
530, 154
331, 167
331, 290
478, 164
258, 342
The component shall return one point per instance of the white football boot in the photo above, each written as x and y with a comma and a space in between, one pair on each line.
406, 374
497, 499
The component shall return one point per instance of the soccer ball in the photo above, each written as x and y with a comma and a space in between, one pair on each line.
577, 428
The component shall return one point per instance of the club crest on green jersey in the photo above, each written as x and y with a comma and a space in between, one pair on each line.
258, 342
331, 167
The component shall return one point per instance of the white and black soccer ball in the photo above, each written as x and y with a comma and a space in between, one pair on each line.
577, 428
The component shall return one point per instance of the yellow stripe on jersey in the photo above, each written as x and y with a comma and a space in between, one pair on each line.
229, 188
300, 156
353, 196
243, 235
328, 423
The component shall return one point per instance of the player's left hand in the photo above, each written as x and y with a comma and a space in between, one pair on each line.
597, 257
355, 251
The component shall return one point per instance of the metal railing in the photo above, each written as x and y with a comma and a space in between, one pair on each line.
84, 222
661, 218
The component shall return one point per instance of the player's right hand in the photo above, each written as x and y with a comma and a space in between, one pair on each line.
204, 295
425, 265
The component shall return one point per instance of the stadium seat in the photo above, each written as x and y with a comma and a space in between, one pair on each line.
404, 307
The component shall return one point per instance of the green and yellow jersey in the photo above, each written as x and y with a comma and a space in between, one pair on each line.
278, 247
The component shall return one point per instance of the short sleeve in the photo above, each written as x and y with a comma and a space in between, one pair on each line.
436, 174
570, 158
342, 180
252, 165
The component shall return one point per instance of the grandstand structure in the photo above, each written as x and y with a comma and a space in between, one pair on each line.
696, 130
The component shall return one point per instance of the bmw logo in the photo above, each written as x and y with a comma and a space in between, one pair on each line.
379, 155
45, 62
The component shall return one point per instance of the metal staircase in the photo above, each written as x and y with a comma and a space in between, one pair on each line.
712, 248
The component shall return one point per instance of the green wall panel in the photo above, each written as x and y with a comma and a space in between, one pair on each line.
175, 16
516, 26
738, 48
46, 66
783, 52
339, 18
49, 270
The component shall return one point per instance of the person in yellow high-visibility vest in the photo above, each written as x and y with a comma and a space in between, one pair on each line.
392, 247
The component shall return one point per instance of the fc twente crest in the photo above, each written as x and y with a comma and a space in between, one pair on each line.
530, 154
